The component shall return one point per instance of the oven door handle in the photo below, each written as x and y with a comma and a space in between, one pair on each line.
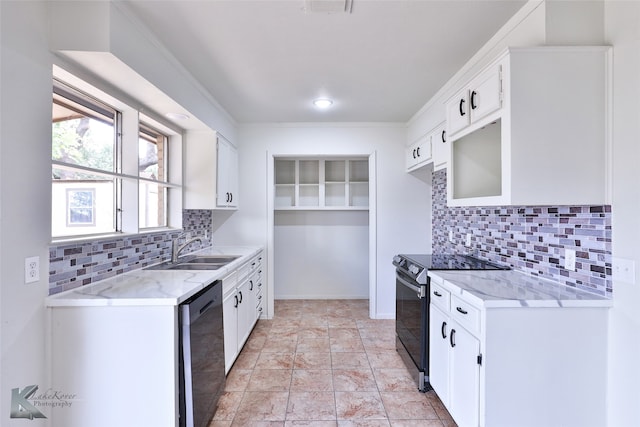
421, 291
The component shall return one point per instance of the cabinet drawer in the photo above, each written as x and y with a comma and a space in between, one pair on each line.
465, 314
440, 297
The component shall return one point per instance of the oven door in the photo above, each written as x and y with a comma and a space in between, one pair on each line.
412, 320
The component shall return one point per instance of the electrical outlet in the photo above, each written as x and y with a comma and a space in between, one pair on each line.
451, 235
570, 259
468, 240
32, 269
624, 270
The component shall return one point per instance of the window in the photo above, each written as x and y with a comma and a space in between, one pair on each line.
81, 209
98, 185
152, 150
84, 152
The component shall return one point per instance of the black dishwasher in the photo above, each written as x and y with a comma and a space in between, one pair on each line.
202, 377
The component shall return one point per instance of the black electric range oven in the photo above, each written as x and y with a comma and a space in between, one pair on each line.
412, 305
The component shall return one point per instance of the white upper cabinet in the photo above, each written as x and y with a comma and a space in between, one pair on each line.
210, 172
441, 147
227, 182
419, 153
531, 129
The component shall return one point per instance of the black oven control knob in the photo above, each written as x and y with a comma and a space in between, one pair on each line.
413, 269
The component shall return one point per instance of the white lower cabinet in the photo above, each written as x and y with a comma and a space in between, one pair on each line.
509, 363
454, 373
242, 306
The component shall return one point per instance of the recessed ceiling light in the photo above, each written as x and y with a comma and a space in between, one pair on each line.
177, 116
322, 103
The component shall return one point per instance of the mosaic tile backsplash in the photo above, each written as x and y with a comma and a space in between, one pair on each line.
74, 265
532, 239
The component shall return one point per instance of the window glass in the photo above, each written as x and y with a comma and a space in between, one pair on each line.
83, 144
152, 154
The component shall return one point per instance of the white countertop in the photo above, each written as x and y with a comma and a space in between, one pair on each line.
490, 288
152, 287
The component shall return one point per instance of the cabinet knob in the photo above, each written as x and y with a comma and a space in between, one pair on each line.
436, 293
444, 136
443, 330
250, 285
236, 297
240, 293
452, 339
418, 151
414, 153
460, 310
473, 98
461, 107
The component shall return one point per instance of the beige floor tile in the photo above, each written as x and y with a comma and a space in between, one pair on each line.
237, 379
363, 423
262, 406
408, 405
313, 332
359, 405
394, 380
275, 361
417, 423
312, 380
385, 359
247, 359
354, 380
311, 406
280, 345
270, 380
324, 363
341, 322
312, 360
307, 423
306, 345
228, 405
348, 345
349, 360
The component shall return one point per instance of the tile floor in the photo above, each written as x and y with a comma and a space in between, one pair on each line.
323, 363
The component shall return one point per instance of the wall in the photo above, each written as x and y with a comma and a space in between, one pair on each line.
402, 198
532, 239
321, 255
25, 196
622, 31
25, 171
77, 264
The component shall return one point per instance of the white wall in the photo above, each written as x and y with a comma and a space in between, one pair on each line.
321, 255
25, 189
622, 31
403, 205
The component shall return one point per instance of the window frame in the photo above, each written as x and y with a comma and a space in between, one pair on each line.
129, 121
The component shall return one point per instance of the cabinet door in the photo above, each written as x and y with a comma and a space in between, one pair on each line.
441, 148
464, 392
458, 112
485, 95
246, 312
230, 317
439, 327
227, 174
419, 153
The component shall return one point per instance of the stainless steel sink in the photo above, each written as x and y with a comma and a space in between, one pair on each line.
195, 262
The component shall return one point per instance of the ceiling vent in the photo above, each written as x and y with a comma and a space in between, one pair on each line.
328, 6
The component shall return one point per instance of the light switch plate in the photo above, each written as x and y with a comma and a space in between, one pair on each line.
570, 259
32, 269
624, 270
468, 240
451, 235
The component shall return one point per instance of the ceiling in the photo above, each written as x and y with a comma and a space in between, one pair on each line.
265, 61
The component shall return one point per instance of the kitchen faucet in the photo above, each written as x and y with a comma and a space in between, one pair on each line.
177, 248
